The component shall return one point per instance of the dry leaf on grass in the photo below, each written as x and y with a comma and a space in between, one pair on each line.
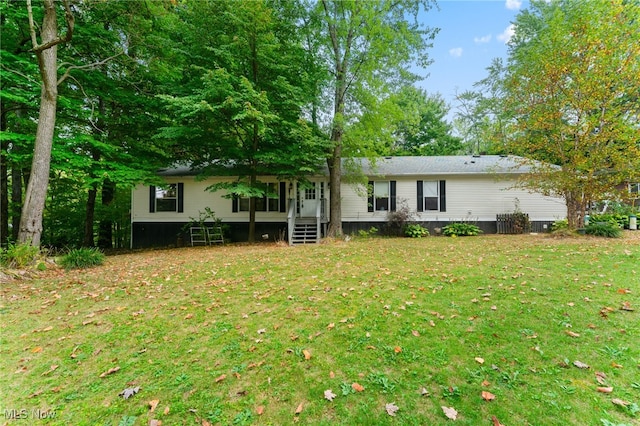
357, 387
495, 421
572, 333
129, 392
329, 395
580, 364
299, 409
110, 371
220, 378
605, 389
620, 402
488, 396
450, 412
260, 410
154, 422
153, 404
391, 408
479, 360
307, 354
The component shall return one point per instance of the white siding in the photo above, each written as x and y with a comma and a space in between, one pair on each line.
476, 197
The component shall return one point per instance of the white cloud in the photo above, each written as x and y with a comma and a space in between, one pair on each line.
456, 52
513, 4
507, 34
483, 39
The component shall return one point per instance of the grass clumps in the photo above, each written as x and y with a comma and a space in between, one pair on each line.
22, 256
82, 258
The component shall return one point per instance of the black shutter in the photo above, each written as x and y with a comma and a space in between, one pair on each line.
443, 196
180, 197
370, 200
234, 204
392, 195
152, 199
420, 196
283, 197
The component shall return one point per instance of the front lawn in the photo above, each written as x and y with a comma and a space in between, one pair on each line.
512, 330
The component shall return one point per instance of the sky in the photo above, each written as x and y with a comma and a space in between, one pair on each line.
472, 33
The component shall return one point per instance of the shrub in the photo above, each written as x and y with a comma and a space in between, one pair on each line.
460, 229
604, 229
621, 220
370, 233
415, 230
20, 256
396, 220
82, 258
560, 225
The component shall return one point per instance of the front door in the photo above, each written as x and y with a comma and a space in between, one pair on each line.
309, 198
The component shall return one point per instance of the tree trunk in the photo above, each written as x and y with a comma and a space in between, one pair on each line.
4, 188
335, 179
89, 218
576, 206
105, 231
47, 54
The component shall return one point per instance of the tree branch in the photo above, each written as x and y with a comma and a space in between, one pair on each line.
69, 19
84, 67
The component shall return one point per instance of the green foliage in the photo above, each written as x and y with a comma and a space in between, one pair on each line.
604, 229
617, 219
461, 229
560, 225
20, 256
82, 258
368, 233
415, 230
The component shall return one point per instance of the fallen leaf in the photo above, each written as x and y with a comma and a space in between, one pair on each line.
299, 409
580, 364
424, 392
154, 422
488, 396
51, 369
605, 389
485, 383
357, 387
188, 316
620, 402
260, 410
332, 374
624, 291
397, 349
479, 360
572, 333
391, 408
331, 326
626, 306
153, 404
495, 421
36, 350
450, 412
220, 378
616, 365
110, 371
329, 395
166, 410
416, 333
129, 392
307, 354
262, 331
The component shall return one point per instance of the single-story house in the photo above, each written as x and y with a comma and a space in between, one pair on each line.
436, 190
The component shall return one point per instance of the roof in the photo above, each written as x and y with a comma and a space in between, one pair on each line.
416, 166
445, 165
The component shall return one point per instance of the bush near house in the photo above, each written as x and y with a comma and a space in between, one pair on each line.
461, 229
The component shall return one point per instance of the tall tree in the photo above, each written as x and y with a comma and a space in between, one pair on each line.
47, 54
368, 48
425, 130
573, 90
240, 114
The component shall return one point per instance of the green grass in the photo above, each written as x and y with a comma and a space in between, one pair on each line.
398, 316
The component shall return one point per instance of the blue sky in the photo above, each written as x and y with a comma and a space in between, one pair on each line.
472, 33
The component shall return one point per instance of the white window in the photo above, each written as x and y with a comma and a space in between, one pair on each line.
431, 196
167, 198
381, 195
